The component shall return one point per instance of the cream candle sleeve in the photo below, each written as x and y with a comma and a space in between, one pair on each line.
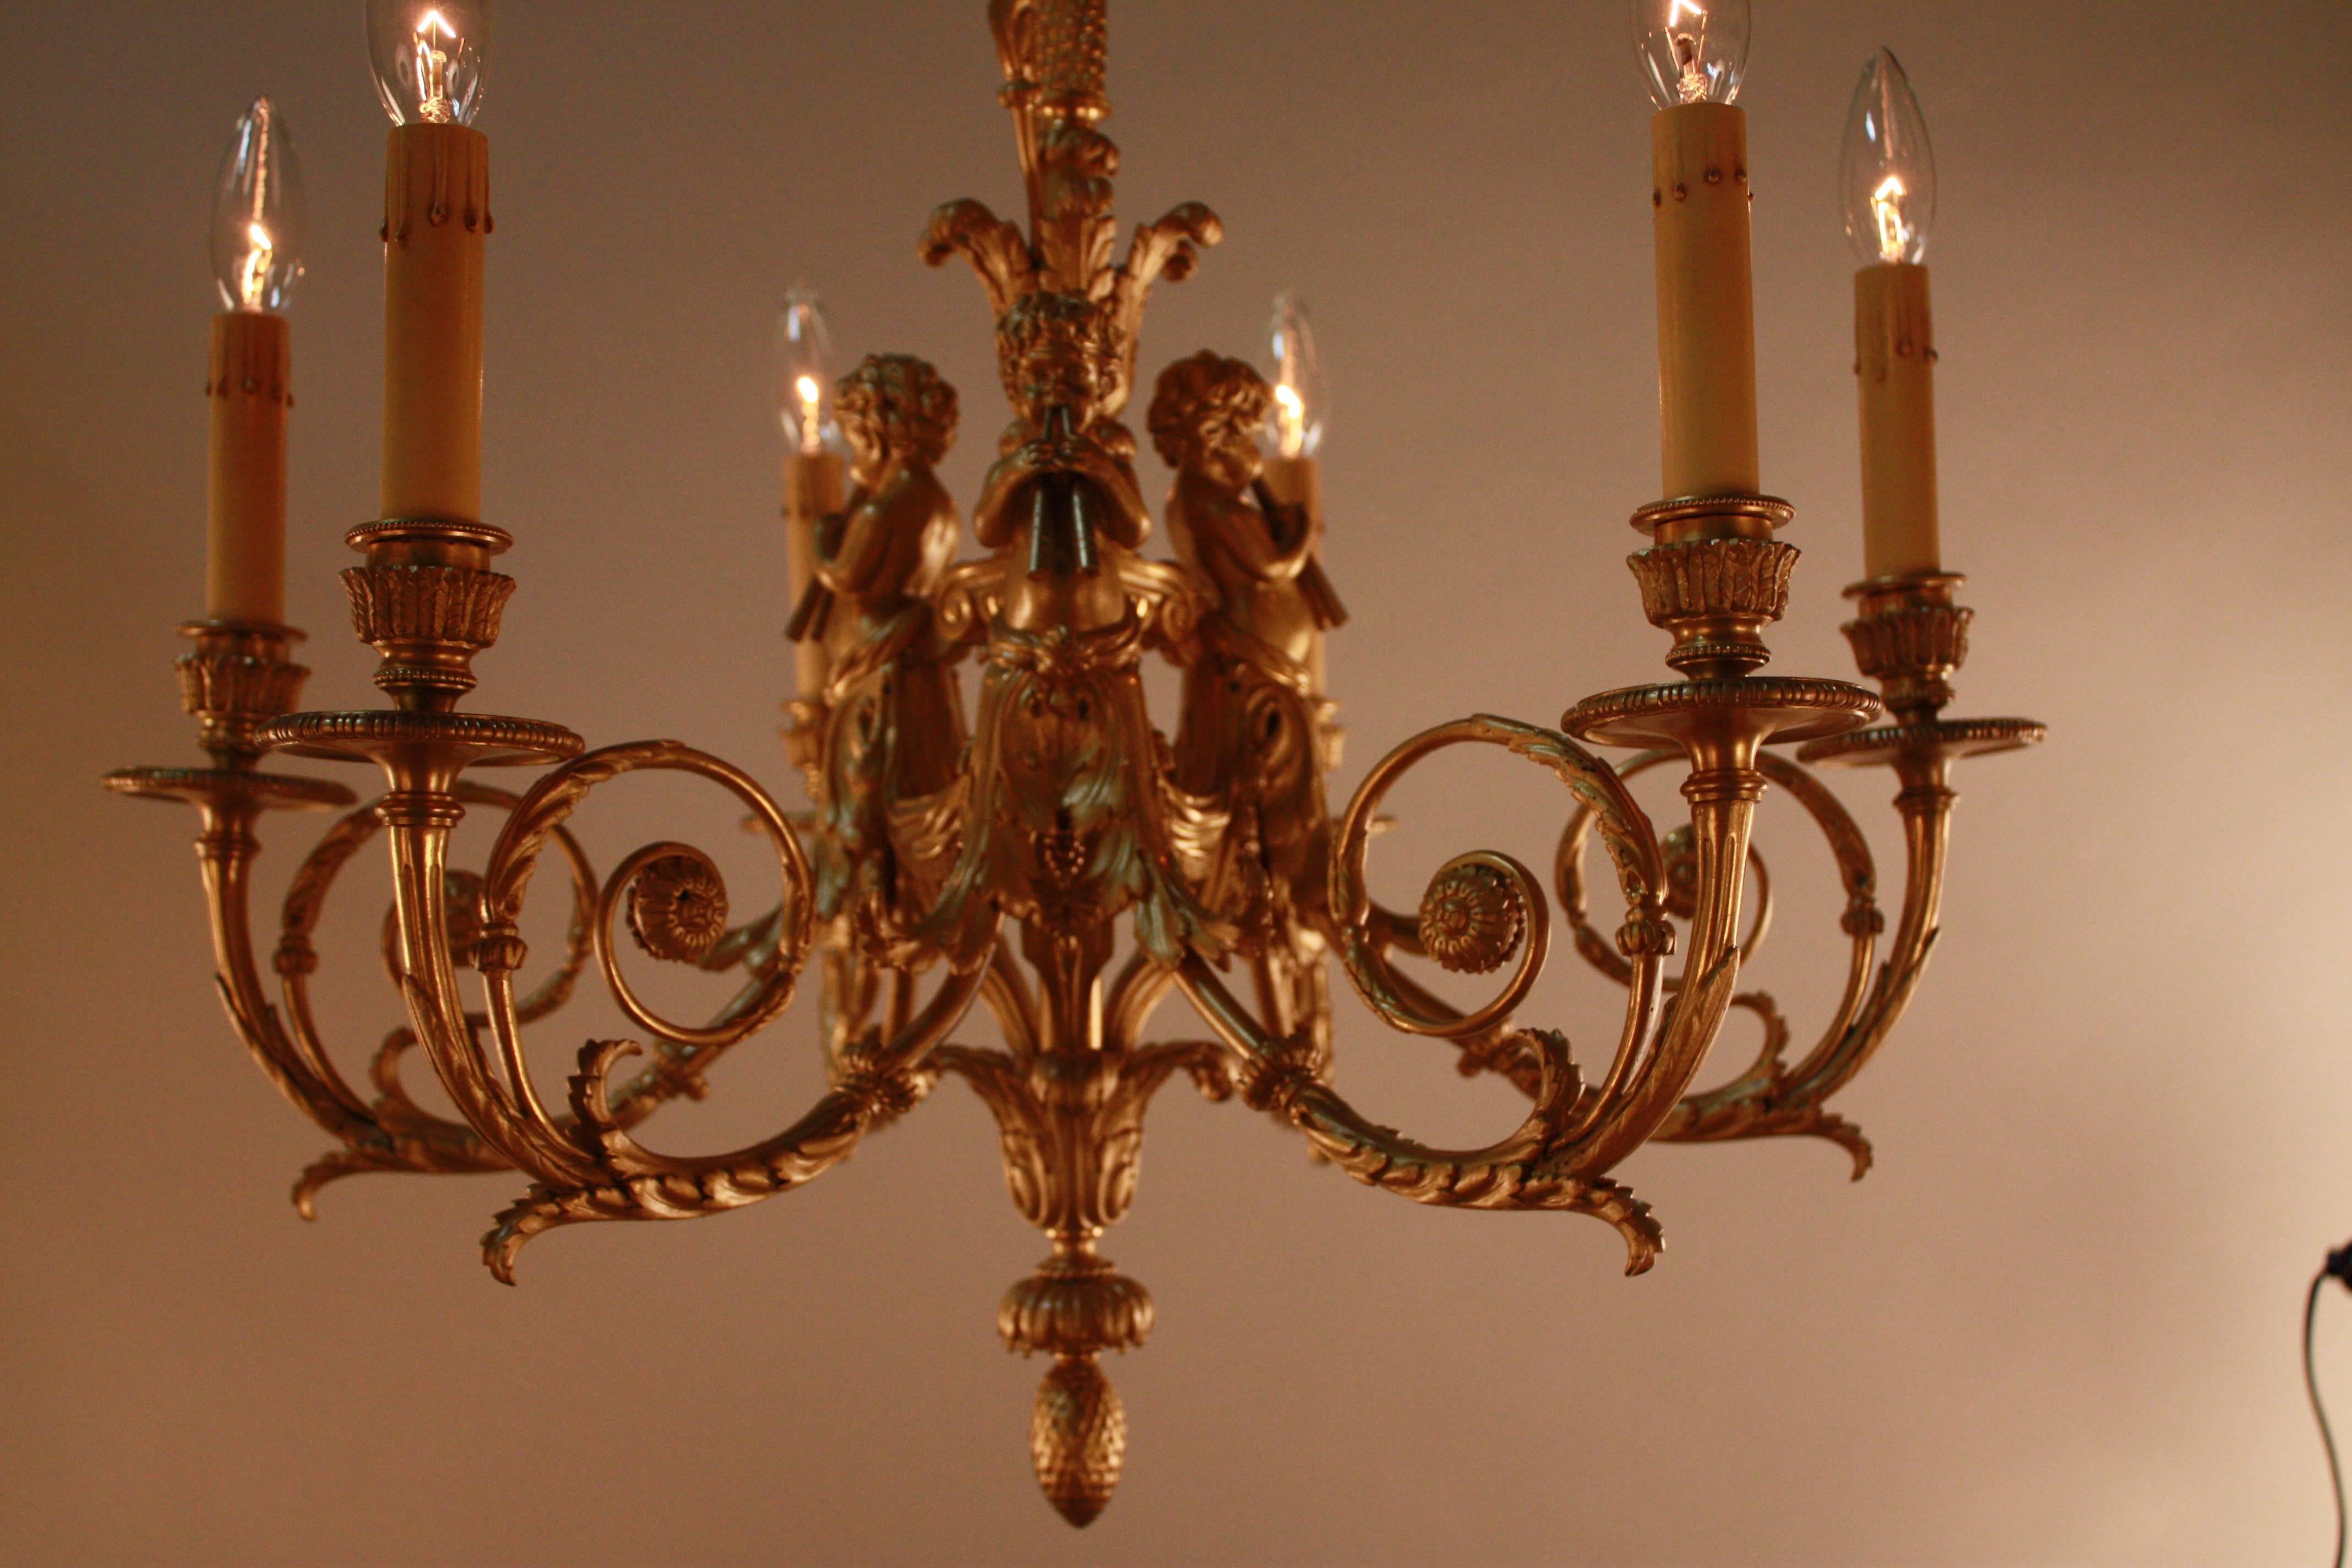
437, 219
1706, 314
812, 487
1895, 360
1298, 481
248, 383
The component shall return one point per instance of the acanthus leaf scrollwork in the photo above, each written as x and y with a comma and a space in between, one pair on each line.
1007, 857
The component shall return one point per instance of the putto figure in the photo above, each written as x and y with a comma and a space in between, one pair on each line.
1249, 736
895, 727
1066, 866
1068, 816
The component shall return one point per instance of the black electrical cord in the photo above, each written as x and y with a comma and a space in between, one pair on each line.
2338, 1267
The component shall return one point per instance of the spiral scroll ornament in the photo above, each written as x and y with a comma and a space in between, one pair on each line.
1061, 854
1773, 1097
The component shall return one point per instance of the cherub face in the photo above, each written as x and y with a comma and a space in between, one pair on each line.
1051, 354
1204, 419
1227, 456
869, 446
1055, 375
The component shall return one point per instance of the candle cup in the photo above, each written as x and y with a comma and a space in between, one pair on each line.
1909, 633
436, 220
1715, 577
1706, 314
1895, 359
238, 677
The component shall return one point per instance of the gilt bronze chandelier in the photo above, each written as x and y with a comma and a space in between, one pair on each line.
1027, 837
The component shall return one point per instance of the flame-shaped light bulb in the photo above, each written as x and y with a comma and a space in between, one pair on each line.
1693, 51
430, 56
1295, 421
1886, 176
257, 215
805, 383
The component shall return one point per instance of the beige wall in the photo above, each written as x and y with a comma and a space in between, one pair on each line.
2057, 1325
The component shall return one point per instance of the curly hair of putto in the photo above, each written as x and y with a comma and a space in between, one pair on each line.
1196, 393
907, 402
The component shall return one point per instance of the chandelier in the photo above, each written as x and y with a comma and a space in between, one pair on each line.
990, 836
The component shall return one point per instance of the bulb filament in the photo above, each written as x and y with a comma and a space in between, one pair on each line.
263, 145
812, 397
1887, 207
433, 67
1690, 52
255, 279
1290, 420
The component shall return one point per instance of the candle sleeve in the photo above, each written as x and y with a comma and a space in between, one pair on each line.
813, 489
248, 383
436, 220
1706, 314
1895, 359
1298, 482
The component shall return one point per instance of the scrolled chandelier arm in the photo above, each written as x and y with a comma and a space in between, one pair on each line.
997, 859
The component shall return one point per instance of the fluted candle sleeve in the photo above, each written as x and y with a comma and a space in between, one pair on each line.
1706, 314
813, 489
1895, 360
1298, 481
248, 382
437, 219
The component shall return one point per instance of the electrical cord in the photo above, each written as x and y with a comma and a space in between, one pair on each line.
2338, 1267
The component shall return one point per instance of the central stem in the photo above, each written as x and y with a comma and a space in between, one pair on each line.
1069, 959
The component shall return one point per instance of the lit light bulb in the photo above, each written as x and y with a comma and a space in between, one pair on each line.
804, 373
257, 215
430, 56
1300, 409
1886, 176
1693, 51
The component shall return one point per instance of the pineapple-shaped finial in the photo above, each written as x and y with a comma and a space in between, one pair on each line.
1077, 1438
